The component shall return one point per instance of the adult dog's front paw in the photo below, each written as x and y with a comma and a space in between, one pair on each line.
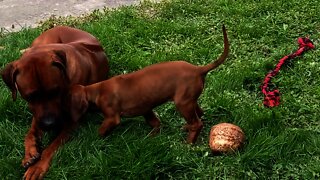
30, 159
36, 171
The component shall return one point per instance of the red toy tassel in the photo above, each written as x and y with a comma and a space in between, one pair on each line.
272, 97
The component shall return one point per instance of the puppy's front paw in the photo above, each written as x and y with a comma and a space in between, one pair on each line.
101, 132
154, 131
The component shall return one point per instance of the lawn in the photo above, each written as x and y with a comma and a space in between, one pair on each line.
281, 143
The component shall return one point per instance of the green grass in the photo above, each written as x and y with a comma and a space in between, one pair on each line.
282, 143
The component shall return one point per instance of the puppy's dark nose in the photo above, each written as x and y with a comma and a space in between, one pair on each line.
47, 123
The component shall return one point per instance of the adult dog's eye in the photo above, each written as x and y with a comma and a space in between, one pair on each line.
33, 96
53, 93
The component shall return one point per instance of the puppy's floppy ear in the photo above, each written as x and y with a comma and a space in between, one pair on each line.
9, 74
60, 61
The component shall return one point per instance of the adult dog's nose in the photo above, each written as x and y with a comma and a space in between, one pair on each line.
47, 123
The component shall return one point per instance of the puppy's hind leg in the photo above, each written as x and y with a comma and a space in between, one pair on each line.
194, 125
153, 121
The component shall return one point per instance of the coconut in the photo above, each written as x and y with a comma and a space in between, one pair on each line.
226, 138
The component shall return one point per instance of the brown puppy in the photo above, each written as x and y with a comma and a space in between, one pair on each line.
139, 92
58, 58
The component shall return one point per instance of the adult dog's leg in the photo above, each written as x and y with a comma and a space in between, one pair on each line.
31, 144
38, 170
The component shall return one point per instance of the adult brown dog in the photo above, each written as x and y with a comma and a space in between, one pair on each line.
58, 58
139, 92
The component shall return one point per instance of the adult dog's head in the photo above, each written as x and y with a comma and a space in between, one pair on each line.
41, 79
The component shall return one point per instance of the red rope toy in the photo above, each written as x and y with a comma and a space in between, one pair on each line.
272, 97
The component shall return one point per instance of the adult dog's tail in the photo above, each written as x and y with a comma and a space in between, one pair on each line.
223, 56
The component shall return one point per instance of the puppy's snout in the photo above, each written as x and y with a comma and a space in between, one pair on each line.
48, 123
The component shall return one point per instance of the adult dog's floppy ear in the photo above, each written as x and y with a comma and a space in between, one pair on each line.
59, 60
9, 74
61, 55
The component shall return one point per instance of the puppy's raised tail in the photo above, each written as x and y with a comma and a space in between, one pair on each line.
223, 56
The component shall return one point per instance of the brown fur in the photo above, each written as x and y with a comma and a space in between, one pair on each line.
58, 58
137, 93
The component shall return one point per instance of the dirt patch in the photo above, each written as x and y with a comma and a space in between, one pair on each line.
17, 14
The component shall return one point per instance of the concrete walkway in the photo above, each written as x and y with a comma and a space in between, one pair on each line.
16, 14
